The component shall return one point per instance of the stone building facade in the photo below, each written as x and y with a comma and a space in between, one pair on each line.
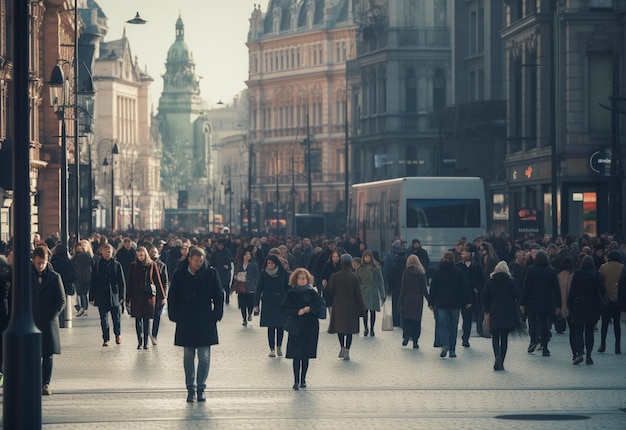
298, 51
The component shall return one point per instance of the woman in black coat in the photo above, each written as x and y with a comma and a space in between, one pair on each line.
499, 299
411, 300
272, 289
584, 304
83, 263
246, 274
332, 266
303, 306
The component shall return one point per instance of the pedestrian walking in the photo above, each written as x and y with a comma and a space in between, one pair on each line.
540, 300
565, 273
48, 300
303, 307
584, 301
271, 292
348, 307
222, 261
372, 288
411, 300
107, 292
244, 284
474, 278
611, 271
143, 288
153, 252
448, 294
499, 301
196, 303
332, 266
83, 264
394, 267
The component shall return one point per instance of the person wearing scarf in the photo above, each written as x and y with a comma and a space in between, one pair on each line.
271, 290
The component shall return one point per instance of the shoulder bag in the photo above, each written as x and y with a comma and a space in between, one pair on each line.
149, 289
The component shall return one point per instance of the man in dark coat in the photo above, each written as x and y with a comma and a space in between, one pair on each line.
474, 277
196, 304
348, 306
449, 293
394, 283
107, 292
48, 301
540, 300
222, 262
422, 254
126, 254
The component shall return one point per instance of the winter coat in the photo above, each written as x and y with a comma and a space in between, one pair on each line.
142, 305
412, 294
611, 271
565, 280
372, 286
125, 257
583, 299
252, 275
219, 259
474, 276
396, 270
499, 299
327, 272
448, 287
48, 301
541, 292
304, 344
83, 264
62, 265
108, 284
348, 306
165, 280
195, 303
272, 292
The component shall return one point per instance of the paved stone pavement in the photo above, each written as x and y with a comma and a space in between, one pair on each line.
385, 385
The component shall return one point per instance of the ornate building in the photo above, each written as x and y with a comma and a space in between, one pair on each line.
565, 68
126, 156
297, 58
186, 133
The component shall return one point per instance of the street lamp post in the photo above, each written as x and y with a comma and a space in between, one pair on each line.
229, 190
114, 151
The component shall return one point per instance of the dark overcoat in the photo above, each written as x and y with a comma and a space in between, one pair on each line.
195, 303
142, 306
83, 264
541, 291
412, 294
48, 301
304, 344
272, 292
583, 299
165, 280
108, 284
348, 304
448, 287
499, 299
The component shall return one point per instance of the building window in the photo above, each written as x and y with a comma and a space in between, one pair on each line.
472, 35
481, 29
600, 4
600, 87
411, 91
439, 90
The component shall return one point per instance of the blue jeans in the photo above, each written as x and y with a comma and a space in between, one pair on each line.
448, 324
104, 321
204, 360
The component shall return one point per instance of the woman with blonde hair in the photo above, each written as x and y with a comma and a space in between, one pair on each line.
83, 263
142, 274
411, 301
499, 301
372, 288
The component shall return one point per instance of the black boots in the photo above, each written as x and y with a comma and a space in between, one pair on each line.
191, 392
201, 397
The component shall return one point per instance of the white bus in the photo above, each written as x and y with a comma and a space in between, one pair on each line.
436, 210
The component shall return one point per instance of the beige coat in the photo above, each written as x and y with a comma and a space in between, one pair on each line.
611, 270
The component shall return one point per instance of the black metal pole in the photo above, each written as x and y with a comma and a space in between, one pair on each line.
76, 116
91, 181
346, 165
22, 340
308, 160
250, 151
293, 194
112, 187
64, 178
553, 142
277, 199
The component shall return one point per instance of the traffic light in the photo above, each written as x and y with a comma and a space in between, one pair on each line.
183, 199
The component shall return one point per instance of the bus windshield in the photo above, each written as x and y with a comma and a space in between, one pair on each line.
442, 213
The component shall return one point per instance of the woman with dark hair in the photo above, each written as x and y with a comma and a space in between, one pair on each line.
499, 299
271, 290
584, 305
244, 283
411, 300
303, 306
83, 263
62, 264
142, 273
332, 266
489, 259
372, 288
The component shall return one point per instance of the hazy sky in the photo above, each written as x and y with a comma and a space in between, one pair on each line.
215, 31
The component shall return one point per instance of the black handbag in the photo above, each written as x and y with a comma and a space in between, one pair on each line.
149, 289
